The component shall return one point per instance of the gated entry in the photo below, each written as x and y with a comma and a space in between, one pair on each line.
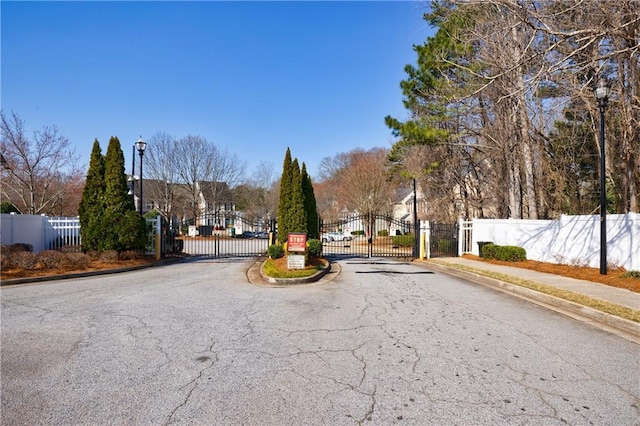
368, 235
443, 240
221, 234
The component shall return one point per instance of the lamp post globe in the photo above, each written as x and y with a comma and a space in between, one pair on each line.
602, 92
141, 145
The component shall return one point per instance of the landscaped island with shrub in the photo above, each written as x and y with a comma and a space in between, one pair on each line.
276, 265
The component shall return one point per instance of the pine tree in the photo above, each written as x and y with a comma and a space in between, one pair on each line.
310, 205
122, 227
284, 204
298, 216
91, 206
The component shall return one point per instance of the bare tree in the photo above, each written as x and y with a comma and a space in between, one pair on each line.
42, 170
264, 201
197, 164
161, 165
505, 79
361, 181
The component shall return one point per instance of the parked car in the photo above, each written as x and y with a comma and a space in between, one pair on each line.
326, 238
262, 235
245, 234
339, 236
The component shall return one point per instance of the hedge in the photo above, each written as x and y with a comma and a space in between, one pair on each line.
403, 240
505, 253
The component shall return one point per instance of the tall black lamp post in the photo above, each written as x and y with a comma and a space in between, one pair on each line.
602, 92
416, 226
141, 146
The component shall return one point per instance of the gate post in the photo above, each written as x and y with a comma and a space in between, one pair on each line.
371, 230
423, 239
460, 236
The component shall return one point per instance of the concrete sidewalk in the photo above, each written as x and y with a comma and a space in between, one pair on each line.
482, 272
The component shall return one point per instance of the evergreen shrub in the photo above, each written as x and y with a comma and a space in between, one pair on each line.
383, 233
314, 248
444, 246
275, 251
504, 253
403, 240
489, 251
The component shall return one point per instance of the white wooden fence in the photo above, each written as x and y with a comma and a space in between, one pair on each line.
52, 233
573, 240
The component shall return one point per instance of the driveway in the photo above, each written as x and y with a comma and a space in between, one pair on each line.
383, 343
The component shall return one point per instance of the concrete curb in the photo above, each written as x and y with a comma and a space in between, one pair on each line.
622, 327
35, 280
291, 281
256, 276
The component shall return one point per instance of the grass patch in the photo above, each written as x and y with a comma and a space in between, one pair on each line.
277, 268
600, 305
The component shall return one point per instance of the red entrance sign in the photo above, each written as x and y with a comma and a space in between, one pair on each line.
296, 242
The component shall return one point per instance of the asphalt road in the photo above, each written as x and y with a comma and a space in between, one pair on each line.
383, 343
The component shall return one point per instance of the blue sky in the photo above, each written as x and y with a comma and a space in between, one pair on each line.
254, 77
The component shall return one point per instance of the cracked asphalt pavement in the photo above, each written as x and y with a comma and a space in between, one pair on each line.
384, 342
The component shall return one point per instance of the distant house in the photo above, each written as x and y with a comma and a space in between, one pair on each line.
403, 207
202, 204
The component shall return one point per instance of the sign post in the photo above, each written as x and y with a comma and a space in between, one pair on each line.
296, 243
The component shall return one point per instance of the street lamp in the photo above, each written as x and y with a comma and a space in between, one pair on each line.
601, 93
416, 228
141, 146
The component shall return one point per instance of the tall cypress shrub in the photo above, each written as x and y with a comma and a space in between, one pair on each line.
298, 215
310, 205
284, 203
91, 207
122, 227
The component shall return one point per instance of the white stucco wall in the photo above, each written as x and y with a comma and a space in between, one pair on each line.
568, 240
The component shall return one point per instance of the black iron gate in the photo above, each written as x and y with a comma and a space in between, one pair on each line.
443, 239
367, 235
221, 234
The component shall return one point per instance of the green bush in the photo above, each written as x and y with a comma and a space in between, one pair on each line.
489, 251
406, 240
383, 233
132, 232
354, 233
445, 246
314, 248
275, 251
512, 254
504, 253
631, 274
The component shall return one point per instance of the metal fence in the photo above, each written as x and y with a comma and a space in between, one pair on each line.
368, 235
220, 234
